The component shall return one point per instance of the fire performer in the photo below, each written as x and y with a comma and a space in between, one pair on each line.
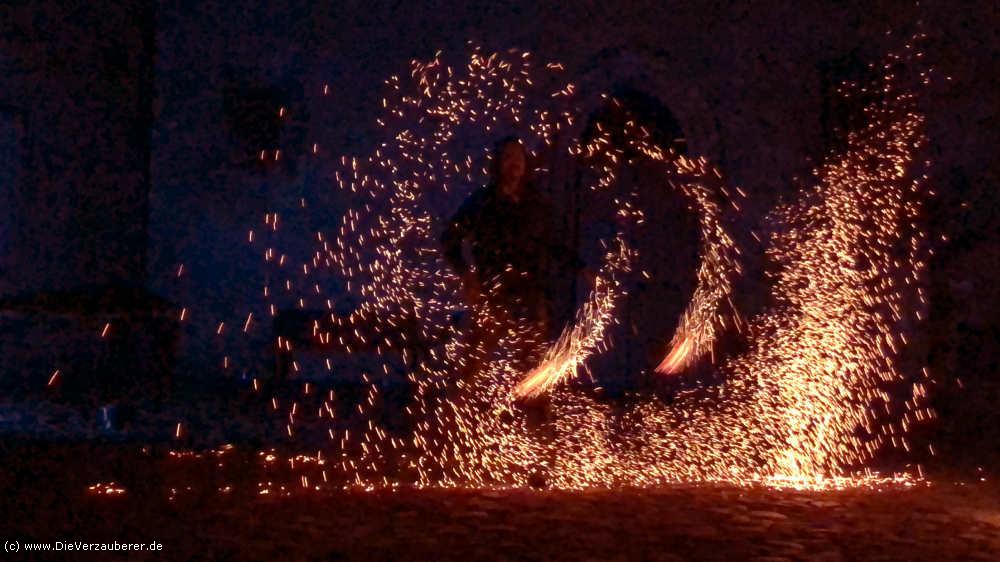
516, 254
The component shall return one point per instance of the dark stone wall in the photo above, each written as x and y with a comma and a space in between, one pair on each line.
77, 78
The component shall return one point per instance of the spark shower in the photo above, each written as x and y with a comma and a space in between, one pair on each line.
810, 400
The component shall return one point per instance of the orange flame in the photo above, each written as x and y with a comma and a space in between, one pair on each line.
677, 359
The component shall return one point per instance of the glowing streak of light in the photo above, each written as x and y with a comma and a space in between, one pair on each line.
577, 341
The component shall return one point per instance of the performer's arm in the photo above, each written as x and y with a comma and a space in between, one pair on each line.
454, 236
453, 240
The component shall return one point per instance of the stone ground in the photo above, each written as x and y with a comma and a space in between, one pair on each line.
45, 497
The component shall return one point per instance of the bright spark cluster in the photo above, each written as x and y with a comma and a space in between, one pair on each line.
849, 291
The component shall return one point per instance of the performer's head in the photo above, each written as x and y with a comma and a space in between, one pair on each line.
511, 167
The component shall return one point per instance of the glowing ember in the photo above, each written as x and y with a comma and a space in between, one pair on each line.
106, 489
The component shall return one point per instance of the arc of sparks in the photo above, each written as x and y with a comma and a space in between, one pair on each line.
711, 304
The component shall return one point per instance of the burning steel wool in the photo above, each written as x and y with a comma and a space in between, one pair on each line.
815, 396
